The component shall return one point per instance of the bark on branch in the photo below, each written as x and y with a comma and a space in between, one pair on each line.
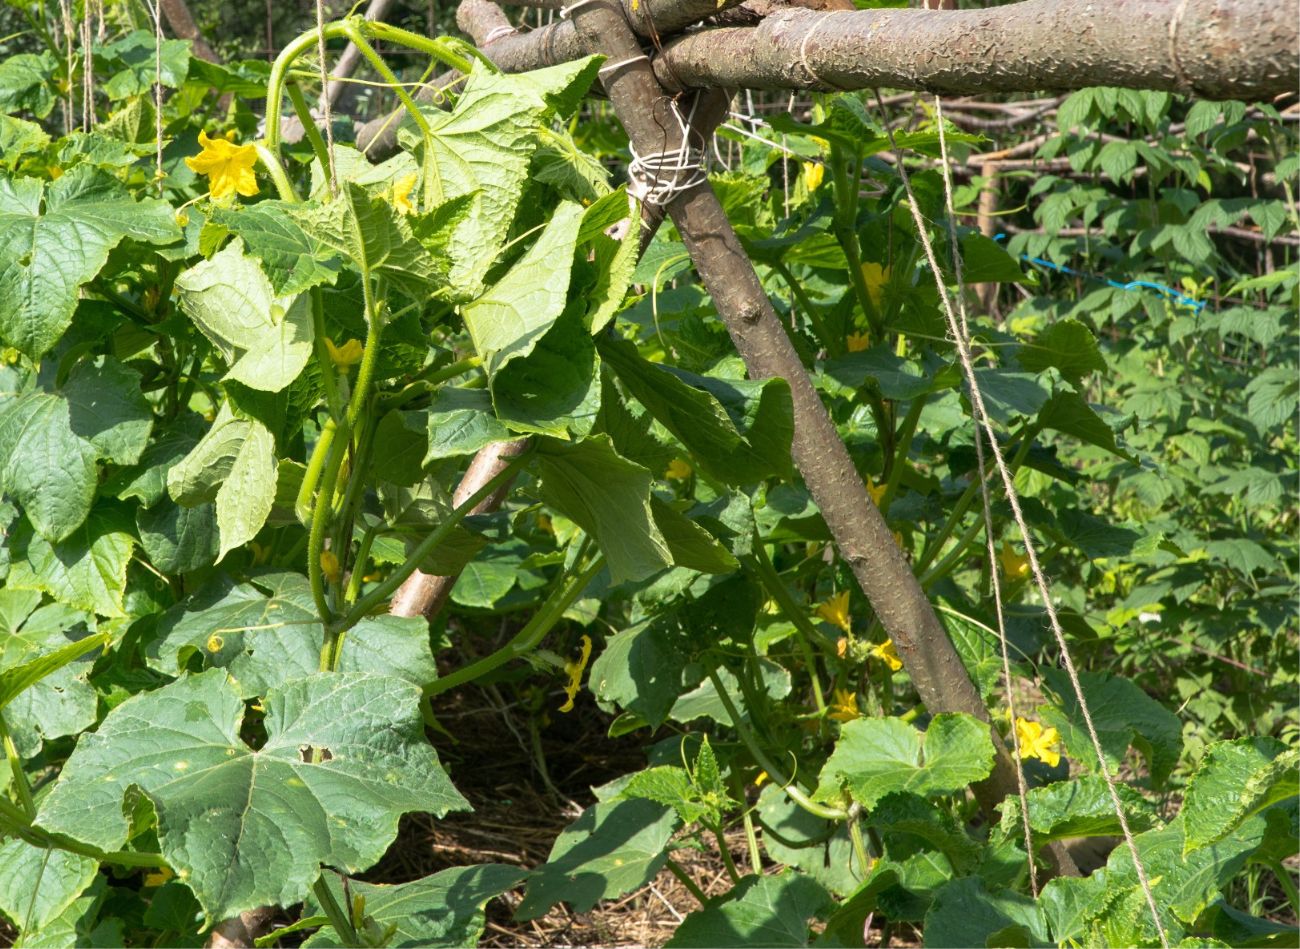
1215, 49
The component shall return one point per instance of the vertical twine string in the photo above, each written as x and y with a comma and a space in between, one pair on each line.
155, 9
69, 107
1013, 498
87, 70
325, 97
1022, 790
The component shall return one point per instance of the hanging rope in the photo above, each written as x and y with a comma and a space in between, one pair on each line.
962, 341
324, 96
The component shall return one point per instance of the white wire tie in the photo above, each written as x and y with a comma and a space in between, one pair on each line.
615, 66
497, 32
566, 11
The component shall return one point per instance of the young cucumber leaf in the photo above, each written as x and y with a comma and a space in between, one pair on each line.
344, 758
876, 756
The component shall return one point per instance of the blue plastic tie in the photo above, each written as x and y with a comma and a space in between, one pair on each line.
1179, 298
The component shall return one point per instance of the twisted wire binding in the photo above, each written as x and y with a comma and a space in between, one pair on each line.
657, 179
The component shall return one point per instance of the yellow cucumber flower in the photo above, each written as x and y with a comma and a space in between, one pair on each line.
877, 491
844, 706
887, 654
836, 610
345, 356
229, 167
678, 470
857, 342
402, 194
813, 173
329, 566
1038, 742
1014, 566
575, 668
875, 277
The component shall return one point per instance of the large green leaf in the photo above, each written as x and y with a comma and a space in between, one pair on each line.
50, 442
773, 911
743, 439
794, 837
344, 758
266, 339
461, 421
1110, 907
25, 83
137, 62
85, 570
555, 388
52, 242
234, 465
444, 909
613, 848
485, 145
877, 756
267, 634
1235, 780
1123, 715
509, 319
609, 497
179, 539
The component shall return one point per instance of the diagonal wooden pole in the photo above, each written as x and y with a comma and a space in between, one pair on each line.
859, 530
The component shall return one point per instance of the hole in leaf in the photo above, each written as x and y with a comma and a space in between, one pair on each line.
311, 755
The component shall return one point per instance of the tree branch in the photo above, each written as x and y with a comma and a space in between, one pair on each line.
1215, 49
178, 17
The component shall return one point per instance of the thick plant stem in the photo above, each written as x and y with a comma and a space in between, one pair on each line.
863, 538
